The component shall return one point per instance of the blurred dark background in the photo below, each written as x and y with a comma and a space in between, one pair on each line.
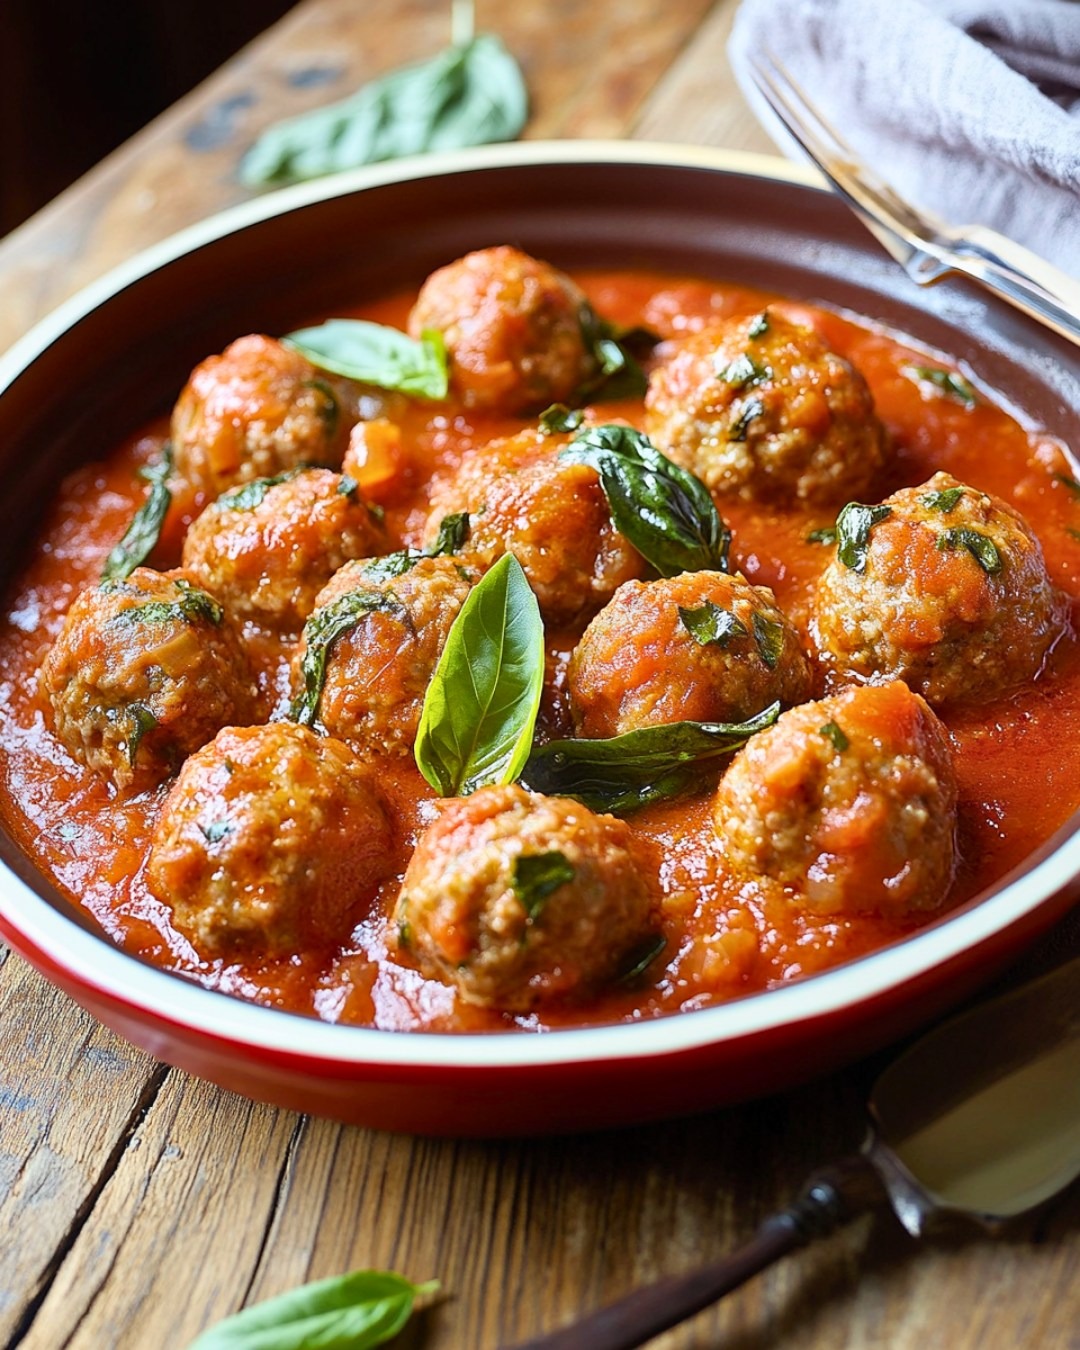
77, 77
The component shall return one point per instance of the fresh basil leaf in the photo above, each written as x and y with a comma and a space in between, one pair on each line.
538, 875
250, 495
453, 532
836, 735
1067, 481
752, 408
744, 372
947, 382
373, 353
760, 325
471, 94
943, 501
642, 960
853, 526
480, 709
624, 772
710, 624
769, 636
194, 604
661, 508
981, 547
328, 623
141, 721
826, 535
141, 536
557, 419
357, 1311
615, 353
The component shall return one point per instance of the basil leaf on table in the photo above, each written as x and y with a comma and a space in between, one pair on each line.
348, 1312
374, 353
624, 772
480, 709
662, 509
472, 93
322, 630
141, 536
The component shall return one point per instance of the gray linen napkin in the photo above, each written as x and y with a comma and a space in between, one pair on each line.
968, 107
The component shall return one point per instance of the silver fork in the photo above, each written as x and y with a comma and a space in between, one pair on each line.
926, 246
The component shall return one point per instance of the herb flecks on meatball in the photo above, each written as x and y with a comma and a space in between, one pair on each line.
850, 803
522, 498
512, 327
519, 900
942, 586
266, 549
257, 409
701, 646
760, 408
145, 671
270, 842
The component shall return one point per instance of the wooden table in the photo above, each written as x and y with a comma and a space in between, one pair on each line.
138, 1205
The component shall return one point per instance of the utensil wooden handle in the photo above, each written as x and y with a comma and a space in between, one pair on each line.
830, 1198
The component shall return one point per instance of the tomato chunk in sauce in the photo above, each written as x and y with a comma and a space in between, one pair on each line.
710, 927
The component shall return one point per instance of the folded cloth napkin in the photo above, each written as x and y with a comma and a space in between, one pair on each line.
968, 107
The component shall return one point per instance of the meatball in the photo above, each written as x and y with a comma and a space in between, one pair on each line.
512, 327
268, 548
144, 672
850, 803
268, 842
947, 590
701, 647
251, 412
390, 632
517, 899
552, 515
760, 408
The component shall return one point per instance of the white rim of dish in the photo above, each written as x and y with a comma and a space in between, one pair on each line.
93, 961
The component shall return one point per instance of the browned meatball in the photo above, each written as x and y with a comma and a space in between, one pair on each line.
270, 841
552, 515
850, 803
759, 407
512, 328
950, 593
251, 412
701, 647
390, 634
143, 673
268, 548
517, 899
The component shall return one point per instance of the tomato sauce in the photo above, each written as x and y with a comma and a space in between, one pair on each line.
1016, 758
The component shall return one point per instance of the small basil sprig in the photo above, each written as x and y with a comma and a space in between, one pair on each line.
141, 536
624, 772
946, 382
853, 526
373, 353
480, 709
709, 624
471, 94
944, 500
981, 547
661, 508
453, 532
615, 353
357, 1311
330, 622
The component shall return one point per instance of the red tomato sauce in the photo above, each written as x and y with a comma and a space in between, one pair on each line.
1016, 758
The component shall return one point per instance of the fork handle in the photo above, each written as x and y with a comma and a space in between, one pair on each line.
830, 1198
1020, 277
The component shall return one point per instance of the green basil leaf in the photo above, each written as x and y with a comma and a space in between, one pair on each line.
752, 408
453, 532
943, 501
769, 636
760, 326
833, 733
710, 624
853, 526
642, 960
1067, 481
250, 495
141, 720
480, 709
348, 1312
615, 353
472, 93
1073, 534
141, 536
328, 623
538, 875
744, 372
624, 772
194, 604
557, 419
825, 535
946, 381
373, 353
662, 509
981, 547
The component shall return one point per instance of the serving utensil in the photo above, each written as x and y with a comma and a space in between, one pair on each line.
979, 1119
927, 247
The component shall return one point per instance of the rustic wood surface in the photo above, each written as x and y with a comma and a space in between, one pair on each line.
138, 1205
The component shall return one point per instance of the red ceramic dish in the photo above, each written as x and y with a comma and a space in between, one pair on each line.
107, 361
